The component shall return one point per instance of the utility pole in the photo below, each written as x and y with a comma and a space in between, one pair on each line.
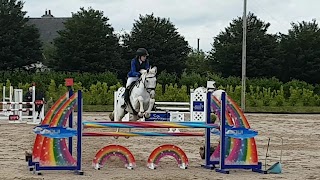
198, 46
244, 48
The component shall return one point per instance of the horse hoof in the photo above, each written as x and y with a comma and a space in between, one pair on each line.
127, 137
111, 116
116, 137
147, 115
140, 114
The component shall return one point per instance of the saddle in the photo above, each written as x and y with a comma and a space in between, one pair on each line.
128, 90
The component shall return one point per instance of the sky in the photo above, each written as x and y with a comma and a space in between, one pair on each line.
203, 19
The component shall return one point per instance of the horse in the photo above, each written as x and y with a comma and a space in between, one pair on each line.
141, 97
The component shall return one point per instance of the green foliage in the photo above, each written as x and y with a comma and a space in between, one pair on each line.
307, 97
279, 97
296, 84
266, 96
55, 91
197, 62
191, 79
166, 78
48, 53
262, 49
253, 96
87, 44
317, 89
316, 100
45, 78
19, 41
98, 93
273, 83
234, 92
295, 94
173, 93
167, 48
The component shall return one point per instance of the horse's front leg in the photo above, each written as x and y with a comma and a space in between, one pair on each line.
151, 104
119, 113
116, 137
141, 109
134, 118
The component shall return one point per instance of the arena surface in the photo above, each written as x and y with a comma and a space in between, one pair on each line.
300, 160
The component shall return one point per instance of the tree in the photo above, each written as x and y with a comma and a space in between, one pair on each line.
48, 53
87, 44
165, 78
262, 50
301, 52
19, 42
192, 79
167, 48
198, 63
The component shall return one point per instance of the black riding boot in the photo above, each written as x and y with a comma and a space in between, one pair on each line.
126, 98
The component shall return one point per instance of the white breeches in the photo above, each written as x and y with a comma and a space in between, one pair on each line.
130, 80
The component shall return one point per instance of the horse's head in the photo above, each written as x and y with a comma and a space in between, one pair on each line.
149, 78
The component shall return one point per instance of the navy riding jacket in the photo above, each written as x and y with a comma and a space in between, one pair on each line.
136, 67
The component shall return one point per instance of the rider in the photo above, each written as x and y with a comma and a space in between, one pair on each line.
137, 63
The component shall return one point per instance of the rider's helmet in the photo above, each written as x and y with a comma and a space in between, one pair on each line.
142, 52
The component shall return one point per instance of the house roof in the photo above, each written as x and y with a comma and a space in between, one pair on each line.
48, 26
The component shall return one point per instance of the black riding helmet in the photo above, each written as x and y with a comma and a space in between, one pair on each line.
142, 52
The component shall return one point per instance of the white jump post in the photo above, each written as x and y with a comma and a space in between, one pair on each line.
15, 110
115, 96
18, 94
10, 94
6, 99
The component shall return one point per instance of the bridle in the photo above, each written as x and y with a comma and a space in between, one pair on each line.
149, 89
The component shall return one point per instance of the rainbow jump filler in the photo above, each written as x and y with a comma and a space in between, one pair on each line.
53, 144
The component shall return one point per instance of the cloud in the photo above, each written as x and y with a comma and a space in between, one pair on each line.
202, 19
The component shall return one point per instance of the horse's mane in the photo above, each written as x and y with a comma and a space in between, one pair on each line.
151, 72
